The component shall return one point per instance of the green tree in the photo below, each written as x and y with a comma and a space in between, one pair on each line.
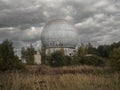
90, 49
57, 59
92, 60
82, 51
75, 60
104, 51
23, 54
8, 60
49, 52
47, 57
29, 55
68, 60
114, 57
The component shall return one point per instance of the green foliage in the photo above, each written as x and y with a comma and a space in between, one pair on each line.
49, 52
114, 57
92, 60
28, 55
82, 51
9, 61
6, 50
23, 55
57, 59
47, 57
75, 59
68, 60
90, 49
98, 55
103, 51
86, 49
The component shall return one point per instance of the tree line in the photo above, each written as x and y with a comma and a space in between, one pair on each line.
8, 60
103, 55
28, 55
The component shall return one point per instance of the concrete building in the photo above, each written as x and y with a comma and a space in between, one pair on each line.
37, 58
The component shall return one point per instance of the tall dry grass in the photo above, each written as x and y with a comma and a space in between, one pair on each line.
68, 81
63, 70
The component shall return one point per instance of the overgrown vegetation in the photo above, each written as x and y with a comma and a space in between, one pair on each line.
27, 81
28, 55
85, 55
92, 60
114, 57
57, 59
8, 60
68, 72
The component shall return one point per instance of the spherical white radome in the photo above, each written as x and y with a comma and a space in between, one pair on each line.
59, 33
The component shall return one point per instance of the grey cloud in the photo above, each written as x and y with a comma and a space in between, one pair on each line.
97, 21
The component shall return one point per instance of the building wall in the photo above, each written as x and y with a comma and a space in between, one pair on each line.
37, 58
67, 51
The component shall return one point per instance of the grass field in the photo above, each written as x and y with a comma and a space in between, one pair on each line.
59, 81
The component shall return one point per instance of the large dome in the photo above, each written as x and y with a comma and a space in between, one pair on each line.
59, 33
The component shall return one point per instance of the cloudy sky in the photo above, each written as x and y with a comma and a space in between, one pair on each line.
97, 21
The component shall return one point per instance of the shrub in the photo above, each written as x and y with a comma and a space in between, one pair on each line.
68, 60
8, 60
114, 59
92, 60
57, 59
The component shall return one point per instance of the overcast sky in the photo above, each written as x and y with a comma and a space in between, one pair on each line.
97, 21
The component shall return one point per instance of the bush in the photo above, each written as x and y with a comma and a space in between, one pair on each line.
68, 60
114, 59
8, 60
57, 59
92, 60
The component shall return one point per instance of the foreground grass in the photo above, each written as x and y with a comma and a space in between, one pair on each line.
82, 81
